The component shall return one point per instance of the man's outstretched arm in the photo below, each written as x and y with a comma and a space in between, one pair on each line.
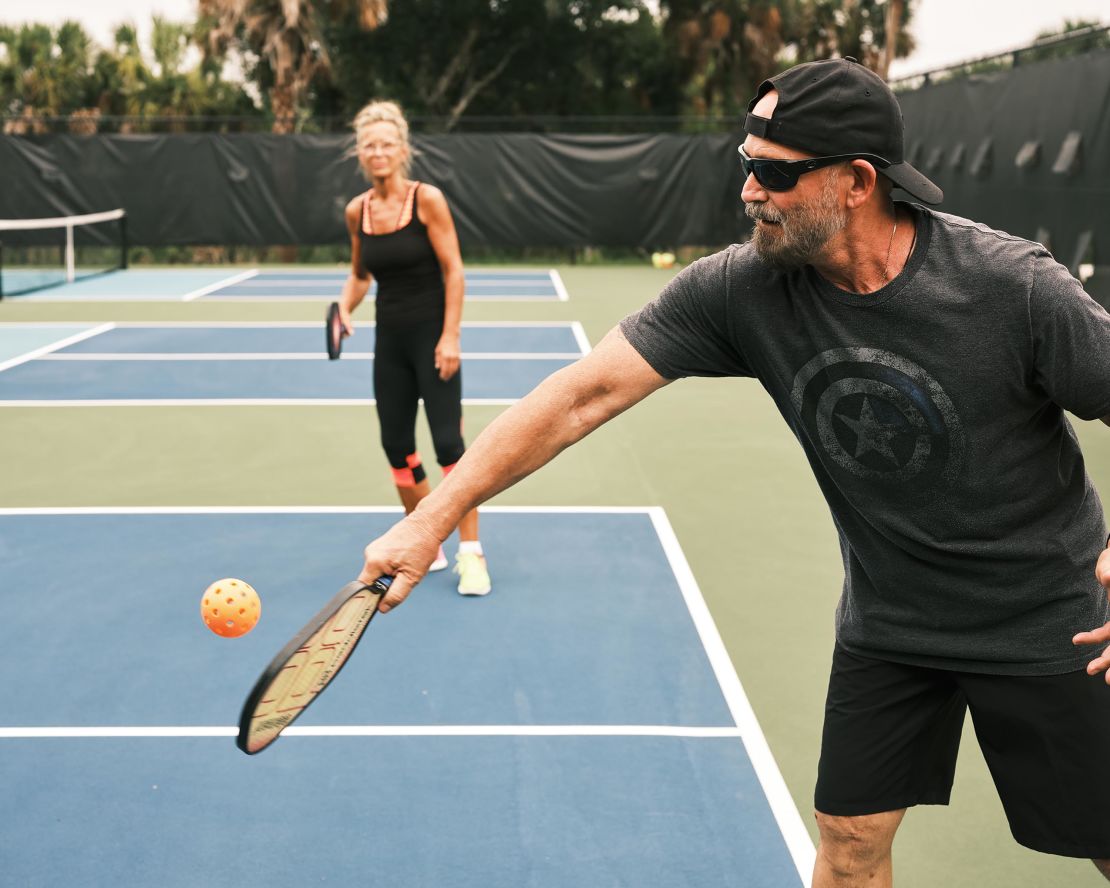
563, 409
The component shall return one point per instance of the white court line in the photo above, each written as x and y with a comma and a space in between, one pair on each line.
290, 356
81, 733
763, 761
580, 337
507, 298
266, 325
232, 402
311, 282
219, 285
557, 283
306, 510
331, 297
61, 343
292, 324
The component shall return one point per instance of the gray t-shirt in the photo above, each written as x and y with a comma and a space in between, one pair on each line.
931, 412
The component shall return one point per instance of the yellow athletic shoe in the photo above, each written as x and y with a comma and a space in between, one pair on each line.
473, 575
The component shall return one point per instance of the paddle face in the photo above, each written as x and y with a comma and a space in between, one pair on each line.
305, 666
333, 328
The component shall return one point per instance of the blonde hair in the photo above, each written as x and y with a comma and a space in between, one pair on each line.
384, 112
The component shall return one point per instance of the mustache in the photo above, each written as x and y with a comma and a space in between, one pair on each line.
763, 211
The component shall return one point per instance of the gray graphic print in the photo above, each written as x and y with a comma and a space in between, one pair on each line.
879, 416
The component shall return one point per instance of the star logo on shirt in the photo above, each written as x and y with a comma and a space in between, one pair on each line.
871, 434
880, 417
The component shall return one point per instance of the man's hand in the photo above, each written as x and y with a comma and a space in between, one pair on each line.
1101, 635
404, 553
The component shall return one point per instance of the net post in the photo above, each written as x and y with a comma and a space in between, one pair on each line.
1, 269
123, 241
71, 262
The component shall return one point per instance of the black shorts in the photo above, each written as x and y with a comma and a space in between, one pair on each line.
892, 732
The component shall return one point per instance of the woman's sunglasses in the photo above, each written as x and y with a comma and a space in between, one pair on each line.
782, 175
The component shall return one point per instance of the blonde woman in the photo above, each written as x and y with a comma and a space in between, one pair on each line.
402, 234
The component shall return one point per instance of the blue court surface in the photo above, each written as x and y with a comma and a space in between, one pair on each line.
243, 363
580, 726
177, 285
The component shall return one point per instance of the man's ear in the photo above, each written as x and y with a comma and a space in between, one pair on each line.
864, 182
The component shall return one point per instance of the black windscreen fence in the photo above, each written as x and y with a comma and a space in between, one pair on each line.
1025, 150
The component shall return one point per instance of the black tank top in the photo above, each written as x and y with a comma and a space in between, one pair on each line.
410, 281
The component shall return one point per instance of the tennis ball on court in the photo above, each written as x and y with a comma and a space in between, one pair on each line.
230, 607
657, 260
666, 260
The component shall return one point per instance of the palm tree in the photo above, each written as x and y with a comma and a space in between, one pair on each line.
723, 49
872, 31
891, 36
288, 36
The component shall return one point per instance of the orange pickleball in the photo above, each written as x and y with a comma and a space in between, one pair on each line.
230, 607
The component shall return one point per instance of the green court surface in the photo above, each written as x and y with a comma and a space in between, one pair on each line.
714, 453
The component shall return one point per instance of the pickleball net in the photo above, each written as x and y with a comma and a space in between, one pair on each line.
40, 253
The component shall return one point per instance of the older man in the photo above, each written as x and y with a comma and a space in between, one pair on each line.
924, 363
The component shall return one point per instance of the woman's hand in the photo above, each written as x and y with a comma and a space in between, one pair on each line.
345, 320
447, 355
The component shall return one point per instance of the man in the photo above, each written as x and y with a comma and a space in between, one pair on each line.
924, 363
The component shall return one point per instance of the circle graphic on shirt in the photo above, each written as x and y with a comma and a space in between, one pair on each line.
879, 416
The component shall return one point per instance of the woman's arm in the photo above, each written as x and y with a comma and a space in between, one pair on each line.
436, 216
357, 284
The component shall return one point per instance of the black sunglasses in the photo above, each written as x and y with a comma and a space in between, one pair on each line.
782, 175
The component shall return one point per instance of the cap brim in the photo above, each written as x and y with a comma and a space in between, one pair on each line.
909, 179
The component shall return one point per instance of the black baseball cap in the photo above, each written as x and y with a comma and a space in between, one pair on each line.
839, 106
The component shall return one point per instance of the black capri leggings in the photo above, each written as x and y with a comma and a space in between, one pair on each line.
404, 372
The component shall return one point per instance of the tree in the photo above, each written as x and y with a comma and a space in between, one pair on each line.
722, 50
286, 36
60, 72
821, 29
45, 70
502, 58
892, 33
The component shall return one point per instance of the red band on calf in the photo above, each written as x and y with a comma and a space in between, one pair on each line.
403, 478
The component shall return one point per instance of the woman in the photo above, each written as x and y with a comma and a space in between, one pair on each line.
402, 234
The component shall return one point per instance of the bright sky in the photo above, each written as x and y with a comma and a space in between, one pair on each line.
946, 30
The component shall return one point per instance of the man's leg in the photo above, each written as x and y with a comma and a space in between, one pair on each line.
854, 852
1103, 867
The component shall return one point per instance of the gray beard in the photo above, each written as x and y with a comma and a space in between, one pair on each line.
801, 234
